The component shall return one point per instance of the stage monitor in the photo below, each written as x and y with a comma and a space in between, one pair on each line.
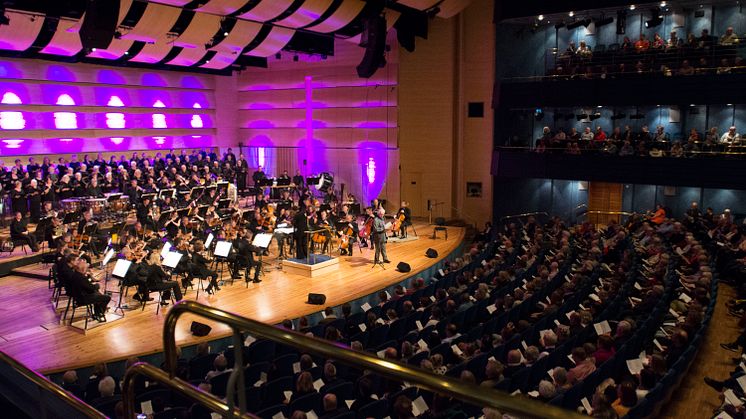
121, 268
222, 249
171, 259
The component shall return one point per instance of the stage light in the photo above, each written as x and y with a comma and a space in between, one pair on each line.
663, 4
196, 121
93, 49
571, 14
115, 120
65, 120
159, 119
632, 7
541, 17
370, 170
225, 33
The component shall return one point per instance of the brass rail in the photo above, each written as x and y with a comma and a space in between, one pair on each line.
526, 214
469, 393
205, 399
53, 389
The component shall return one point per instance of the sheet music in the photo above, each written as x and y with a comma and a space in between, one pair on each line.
121, 268
261, 240
222, 249
107, 257
166, 249
171, 259
285, 230
208, 242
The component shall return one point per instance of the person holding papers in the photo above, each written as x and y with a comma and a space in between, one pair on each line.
158, 280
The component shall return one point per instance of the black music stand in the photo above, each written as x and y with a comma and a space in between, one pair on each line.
260, 241
220, 253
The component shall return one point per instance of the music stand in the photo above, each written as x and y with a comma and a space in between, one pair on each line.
120, 272
221, 252
260, 241
167, 192
150, 196
224, 203
172, 259
70, 217
104, 262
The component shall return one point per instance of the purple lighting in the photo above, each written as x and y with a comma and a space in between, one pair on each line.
10, 119
159, 119
65, 120
370, 170
115, 120
196, 121
372, 124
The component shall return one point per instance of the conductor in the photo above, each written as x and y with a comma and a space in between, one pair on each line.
379, 237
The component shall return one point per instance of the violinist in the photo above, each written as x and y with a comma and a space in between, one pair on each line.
135, 276
212, 218
158, 280
348, 235
49, 223
324, 237
200, 267
172, 224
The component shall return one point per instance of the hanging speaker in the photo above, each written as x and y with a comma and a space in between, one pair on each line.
316, 299
403, 267
431, 253
373, 39
200, 329
99, 23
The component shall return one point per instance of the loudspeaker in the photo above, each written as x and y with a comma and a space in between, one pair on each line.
200, 329
99, 23
403, 267
431, 253
316, 299
374, 40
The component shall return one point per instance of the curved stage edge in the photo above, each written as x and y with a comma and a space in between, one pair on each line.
52, 349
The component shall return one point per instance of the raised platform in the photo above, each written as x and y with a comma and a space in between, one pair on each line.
30, 330
312, 267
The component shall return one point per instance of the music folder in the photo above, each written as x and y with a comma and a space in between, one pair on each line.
261, 240
113, 197
171, 259
121, 268
222, 249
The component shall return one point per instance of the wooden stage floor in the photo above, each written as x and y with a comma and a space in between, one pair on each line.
31, 333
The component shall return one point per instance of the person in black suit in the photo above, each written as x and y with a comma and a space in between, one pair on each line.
19, 232
258, 176
82, 289
404, 210
200, 267
301, 224
245, 257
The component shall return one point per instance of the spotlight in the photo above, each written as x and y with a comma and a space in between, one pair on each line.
632, 7
225, 33
663, 4
541, 17
571, 14
93, 49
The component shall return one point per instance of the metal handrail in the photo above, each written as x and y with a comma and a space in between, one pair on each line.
452, 387
52, 388
526, 214
205, 399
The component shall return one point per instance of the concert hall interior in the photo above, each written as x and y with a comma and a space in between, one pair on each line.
347, 209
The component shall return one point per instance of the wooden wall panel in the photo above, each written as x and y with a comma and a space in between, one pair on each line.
605, 197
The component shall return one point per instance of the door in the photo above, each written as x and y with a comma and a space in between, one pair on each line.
604, 197
411, 191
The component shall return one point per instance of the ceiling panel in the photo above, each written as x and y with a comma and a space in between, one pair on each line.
222, 7
21, 32
66, 39
188, 56
153, 53
199, 32
309, 12
154, 23
267, 10
241, 35
344, 14
275, 41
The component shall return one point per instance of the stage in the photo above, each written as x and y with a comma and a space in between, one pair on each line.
31, 333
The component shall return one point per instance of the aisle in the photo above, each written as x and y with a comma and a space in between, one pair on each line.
694, 398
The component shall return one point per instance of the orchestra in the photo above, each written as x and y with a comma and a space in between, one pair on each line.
139, 205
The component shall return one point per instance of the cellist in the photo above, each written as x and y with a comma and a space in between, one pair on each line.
348, 236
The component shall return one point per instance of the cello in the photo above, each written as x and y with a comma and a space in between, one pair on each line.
367, 228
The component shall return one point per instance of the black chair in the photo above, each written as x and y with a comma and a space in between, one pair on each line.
253, 372
172, 413
306, 403
74, 302
343, 391
158, 398
273, 390
199, 367
271, 411
220, 384
377, 409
